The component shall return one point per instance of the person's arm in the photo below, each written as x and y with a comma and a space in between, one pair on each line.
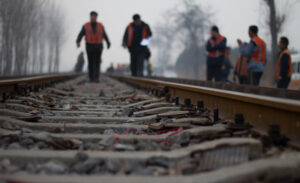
209, 47
149, 31
222, 45
229, 61
106, 38
284, 65
125, 38
248, 50
80, 35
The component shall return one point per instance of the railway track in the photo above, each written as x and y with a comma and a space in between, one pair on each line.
265, 91
75, 131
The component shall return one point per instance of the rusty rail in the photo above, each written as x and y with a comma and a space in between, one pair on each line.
266, 91
260, 111
11, 86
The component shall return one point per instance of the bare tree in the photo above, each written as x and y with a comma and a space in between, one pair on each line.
275, 22
186, 27
163, 42
276, 17
6, 43
26, 33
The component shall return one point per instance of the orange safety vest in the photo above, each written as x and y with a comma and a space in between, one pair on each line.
131, 33
260, 54
92, 38
241, 67
213, 43
278, 65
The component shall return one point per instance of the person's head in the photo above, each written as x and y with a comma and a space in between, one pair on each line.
283, 43
82, 53
253, 31
214, 31
93, 16
137, 19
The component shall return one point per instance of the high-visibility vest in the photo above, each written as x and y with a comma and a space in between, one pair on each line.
131, 33
278, 65
260, 54
216, 53
92, 38
241, 67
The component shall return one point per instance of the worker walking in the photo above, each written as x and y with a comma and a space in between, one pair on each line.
241, 69
80, 62
135, 32
94, 33
215, 47
256, 52
283, 72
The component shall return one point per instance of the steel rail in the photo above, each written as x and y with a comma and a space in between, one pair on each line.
9, 86
266, 91
260, 111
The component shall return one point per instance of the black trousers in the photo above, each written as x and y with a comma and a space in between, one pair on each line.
94, 52
284, 83
214, 68
137, 58
243, 80
254, 77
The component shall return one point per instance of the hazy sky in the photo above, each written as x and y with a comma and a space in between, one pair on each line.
232, 16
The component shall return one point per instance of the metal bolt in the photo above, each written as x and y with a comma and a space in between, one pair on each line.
36, 88
11, 95
177, 100
166, 89
200, 104
216, 114
3, 97
156, 92
239, 119
168, 97
187, 101
274, 130
152, 91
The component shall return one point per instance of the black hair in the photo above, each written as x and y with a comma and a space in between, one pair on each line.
215, 29
254, 29
136, 17
94, 13
285, 41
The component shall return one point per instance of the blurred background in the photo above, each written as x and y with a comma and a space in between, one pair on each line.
38, 36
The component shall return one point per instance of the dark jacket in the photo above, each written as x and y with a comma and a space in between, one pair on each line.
284, 65
218, 61
220, 47
138, 34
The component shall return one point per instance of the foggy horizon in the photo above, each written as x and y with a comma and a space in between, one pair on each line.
116, 18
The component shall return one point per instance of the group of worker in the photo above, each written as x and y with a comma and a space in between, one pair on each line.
251, 62
95, 34
249, 69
